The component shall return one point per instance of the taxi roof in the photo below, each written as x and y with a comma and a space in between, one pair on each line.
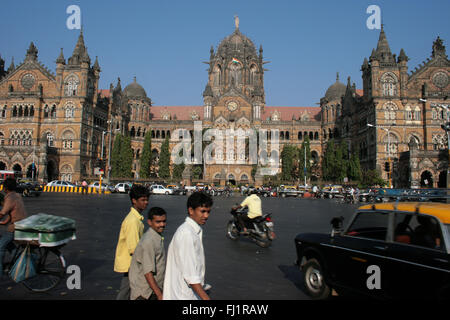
439, 210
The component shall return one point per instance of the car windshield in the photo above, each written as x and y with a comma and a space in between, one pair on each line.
371, 225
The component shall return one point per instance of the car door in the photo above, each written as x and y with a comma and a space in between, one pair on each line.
359, 254
419, 262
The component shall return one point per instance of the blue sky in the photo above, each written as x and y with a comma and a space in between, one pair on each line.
163, 43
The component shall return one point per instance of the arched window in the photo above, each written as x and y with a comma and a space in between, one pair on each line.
71, 85
66, 173
68, 138
50, 140
14, 113
390, 110
417, 114
217, 76
235, 73
69, 112
4, 111
253, 75
391, 143
53, 112
299, 135
389, 84
46, 111
408, 113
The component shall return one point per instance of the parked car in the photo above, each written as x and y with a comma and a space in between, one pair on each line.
28, 188
387, 250
289, 191
332, 192
105, 187
122, 187
159, 189
176, 189
60, 183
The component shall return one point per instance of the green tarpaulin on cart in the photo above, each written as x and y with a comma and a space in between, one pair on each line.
48, 230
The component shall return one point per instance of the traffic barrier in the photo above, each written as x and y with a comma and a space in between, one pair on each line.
59, 189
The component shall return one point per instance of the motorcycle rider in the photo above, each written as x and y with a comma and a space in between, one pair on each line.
253, 202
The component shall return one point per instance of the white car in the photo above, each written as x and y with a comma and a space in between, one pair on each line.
96, 185
60, 183
122, 187
159, 189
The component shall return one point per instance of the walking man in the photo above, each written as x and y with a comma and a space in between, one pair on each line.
148, 264
130, 233
185, 269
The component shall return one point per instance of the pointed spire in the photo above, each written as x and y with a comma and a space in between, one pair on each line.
211, 52
11, 66
402, 56
61, 59
372, 55
337, 76
32, 52
383, 52
208, 91
118, 86
96, 64
438, 48
365, 63
80, 52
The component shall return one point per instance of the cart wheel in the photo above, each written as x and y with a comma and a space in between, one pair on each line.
50, 267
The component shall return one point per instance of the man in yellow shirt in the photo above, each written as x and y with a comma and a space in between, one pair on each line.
130, 233
253, 202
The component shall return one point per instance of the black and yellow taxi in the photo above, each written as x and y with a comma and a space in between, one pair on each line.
387, 250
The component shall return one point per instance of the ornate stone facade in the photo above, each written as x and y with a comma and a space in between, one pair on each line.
52, 120
58, 121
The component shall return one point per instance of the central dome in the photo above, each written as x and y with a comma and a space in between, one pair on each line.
336, 90
135, 91
236, 43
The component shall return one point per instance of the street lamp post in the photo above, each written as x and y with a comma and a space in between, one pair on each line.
388, 130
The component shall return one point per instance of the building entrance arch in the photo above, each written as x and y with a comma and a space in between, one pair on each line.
426, 179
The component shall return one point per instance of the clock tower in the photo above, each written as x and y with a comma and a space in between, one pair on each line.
234, 96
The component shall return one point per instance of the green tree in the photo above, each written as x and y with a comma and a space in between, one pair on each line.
115, 156
288, 156
146, 158
328, 162
354, 167
178, 169
341, 162
306, 147
371, 178
164, 160
126, 158
196, 172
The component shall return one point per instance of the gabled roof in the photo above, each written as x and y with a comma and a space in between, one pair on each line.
31, 63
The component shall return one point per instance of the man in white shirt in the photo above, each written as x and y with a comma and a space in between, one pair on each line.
185, 269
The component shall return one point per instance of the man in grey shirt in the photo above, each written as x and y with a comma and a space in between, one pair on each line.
148, 264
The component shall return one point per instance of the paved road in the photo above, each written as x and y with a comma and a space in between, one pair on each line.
237, 270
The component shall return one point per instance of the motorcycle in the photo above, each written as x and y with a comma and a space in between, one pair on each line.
260, 229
